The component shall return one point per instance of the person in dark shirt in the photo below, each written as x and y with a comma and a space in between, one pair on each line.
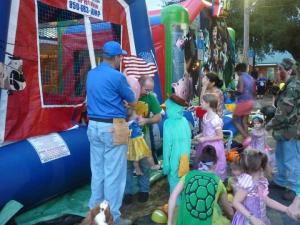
261, 85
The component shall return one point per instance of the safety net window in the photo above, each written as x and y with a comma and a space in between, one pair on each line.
64, 54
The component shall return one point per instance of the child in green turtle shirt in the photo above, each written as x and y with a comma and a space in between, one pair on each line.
201, 191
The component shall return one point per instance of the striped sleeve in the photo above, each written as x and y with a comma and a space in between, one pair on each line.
217, 122
244, 181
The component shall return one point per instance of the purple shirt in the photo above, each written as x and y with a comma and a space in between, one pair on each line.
247, 93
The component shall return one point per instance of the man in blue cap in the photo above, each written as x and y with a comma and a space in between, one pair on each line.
107, 90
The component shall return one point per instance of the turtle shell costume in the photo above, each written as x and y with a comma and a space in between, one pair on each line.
200, 194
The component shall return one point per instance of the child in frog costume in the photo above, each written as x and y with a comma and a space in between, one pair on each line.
176, 141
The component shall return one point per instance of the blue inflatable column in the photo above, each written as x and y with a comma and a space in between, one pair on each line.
30, 181
4, 23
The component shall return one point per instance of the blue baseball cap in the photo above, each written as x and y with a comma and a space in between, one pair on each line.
112, 48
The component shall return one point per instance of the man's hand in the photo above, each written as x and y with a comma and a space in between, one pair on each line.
129, 105
126, 104
143, 121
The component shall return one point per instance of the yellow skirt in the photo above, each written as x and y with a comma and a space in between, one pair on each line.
137, 149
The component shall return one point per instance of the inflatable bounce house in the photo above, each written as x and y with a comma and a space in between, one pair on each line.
47, 47
189, 36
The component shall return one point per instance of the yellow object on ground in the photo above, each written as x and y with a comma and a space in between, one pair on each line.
158, 216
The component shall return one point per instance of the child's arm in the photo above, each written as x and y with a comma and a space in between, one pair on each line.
276, 205
217, 137
237, 203
196, 138
240, 85
294, 209
203, 90
172, 201
226, 206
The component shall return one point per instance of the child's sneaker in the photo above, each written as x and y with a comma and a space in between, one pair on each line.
156, 167
136, 174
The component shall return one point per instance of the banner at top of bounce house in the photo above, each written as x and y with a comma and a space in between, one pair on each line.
48, 46
92, 8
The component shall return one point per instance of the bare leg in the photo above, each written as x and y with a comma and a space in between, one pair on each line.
137, 168
152, 164
239, 125
245, 124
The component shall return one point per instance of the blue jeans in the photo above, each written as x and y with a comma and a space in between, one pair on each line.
143, 182
108, 166
287, 155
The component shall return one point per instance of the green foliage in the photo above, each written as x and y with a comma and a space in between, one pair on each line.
274, 25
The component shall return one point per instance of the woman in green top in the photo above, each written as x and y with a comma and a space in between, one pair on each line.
201, 190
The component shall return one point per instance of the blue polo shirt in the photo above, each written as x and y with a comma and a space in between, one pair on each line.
106, 89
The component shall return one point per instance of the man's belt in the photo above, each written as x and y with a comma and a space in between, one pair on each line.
102, 120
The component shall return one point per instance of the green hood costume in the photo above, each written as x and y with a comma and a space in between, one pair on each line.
176, 141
